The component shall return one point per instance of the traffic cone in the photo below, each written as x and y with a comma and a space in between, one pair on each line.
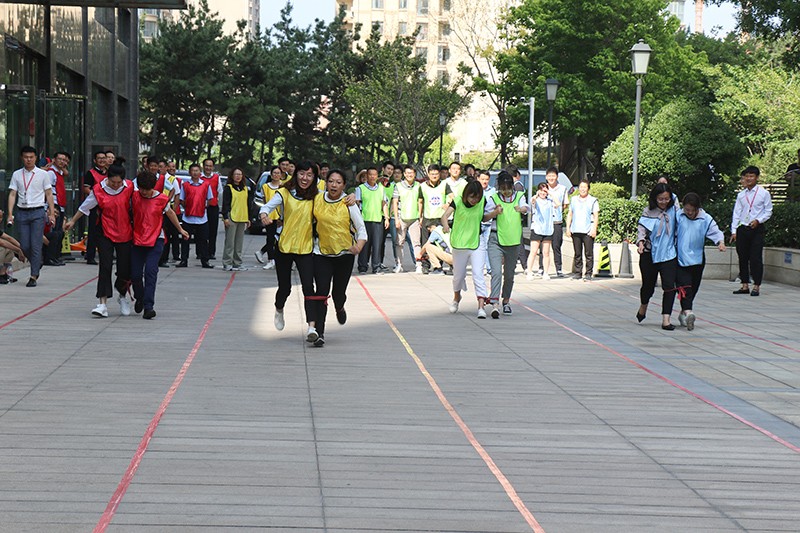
625, 266
604, 267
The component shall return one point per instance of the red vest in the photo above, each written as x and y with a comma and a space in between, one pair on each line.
115, 213
194, 198
98, 177
213, 182
160, 182
148, 218
61, 189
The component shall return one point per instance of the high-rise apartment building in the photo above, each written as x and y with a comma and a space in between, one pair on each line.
230, 11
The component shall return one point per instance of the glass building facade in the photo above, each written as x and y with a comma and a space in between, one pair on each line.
68, 82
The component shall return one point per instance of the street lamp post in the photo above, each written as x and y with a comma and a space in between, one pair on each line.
640, 58
532, 107
442, 122
551, 86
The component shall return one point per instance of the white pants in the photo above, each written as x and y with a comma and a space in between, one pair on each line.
475, 258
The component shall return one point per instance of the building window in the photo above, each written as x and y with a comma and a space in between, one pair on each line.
422, 7
422, 32
402, 4
402, 28
445, 5
443, 55
422, 52
444, 29
150, 29
377, 4
443, 77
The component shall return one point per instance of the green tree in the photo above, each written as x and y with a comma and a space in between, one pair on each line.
771, 19
585, 44
686, 142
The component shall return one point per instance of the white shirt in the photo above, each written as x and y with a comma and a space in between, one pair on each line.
490, 205
355, 219
558, 194
30, 187
91, 201
755, 204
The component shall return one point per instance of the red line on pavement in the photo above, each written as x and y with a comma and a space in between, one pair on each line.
57, 298
668, 381
116, 498
498, 474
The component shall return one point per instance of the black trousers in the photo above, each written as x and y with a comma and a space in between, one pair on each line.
92, 232
583, 244
200, 234
106, 250
213, 226
327, 271
305, 269
173, 240
650, 272
270, 246
750, 248
558, 240
373, 247
688, 279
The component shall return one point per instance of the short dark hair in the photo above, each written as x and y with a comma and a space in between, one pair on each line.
145, 180
325, 164
387, 163
94, 155
660, 188
469, 166
504, 180
284, 158
372, 168
543, 185
27, 150
162, 161
552, 170
116, 170
193, 165
455, 163
336, 172
65, 154
752, 170
433, 167
586, 181
152, 159
473, 188
209, 159
513, 170
406, 167
693, 199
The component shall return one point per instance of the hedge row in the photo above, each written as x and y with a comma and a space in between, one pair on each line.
618, 221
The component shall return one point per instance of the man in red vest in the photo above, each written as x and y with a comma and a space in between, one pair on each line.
213, 205
196, 195
93, 176
58, 172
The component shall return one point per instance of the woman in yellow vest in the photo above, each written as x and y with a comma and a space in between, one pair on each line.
236, 217
340, 236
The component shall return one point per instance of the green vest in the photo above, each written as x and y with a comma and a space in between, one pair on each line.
509, 230
372, 203
409, 201
434, 200
466, 231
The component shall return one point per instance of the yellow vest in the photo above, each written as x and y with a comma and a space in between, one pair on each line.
269, 194
239, 211
296, 236
333, 226
321, 185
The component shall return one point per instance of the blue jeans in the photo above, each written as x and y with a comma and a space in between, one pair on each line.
144, 272
30, 224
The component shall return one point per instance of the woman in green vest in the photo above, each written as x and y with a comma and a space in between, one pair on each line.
505, 209
236, 217
467, 210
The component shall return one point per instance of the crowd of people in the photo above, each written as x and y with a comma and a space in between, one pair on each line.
447, 223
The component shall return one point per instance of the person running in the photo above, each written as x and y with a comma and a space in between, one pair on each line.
582, 220
694, 227
371, 197
268, 191
541, 229
467, 210
335, 250
406, 211
753, 208
296, 200
150, 207
658, 252
236, 218
112, 198
195, 196
504, 211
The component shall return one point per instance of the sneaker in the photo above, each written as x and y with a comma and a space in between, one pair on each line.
529, 276
227, 268
545, 276
378, 271
437, 272
481, 313
319, 343
454, 307
576, 275
239, 268
559, 274
101, 311
506, 309
260, 257
31, 283
270, 265
588, 277
690, 319
341, 316
138, 306
279, 322
682, 319
124, 305
312, 335
418, 269
495, 312
398, 268
149, 314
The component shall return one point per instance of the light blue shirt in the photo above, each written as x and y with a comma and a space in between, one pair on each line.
582, 210
692, 235
661, 231
542, 220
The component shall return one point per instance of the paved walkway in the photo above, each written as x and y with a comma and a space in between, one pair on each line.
566, 417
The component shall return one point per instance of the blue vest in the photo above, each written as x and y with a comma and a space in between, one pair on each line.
582, 214
692, 239
664, 246
542, 221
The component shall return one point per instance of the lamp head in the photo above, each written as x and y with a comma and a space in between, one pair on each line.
442, 119
551, 86
640, 57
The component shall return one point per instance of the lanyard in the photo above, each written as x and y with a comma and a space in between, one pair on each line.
27, 184
755, 193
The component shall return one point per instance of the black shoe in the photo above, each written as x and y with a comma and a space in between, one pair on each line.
163, 265
668, 327
362, 270
755, 292
742, 291
149, 314
319, 343
341, 315
12, 279
212, 257
31, 283
182, 264
91, 262
138, 305
4, 281
206, 265
640, 317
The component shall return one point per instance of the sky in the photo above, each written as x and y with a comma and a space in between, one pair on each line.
305, 11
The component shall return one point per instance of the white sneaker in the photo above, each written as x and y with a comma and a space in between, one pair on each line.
454, 307
682, 319
398, 268
545, 276
101, 311
312, 335
124, 305
279, 322
259, 257
227, 268
481, 313
529, 276
690, 318
270, 265
418, 269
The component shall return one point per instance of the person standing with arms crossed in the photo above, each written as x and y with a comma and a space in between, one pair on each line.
751, 211
582, 220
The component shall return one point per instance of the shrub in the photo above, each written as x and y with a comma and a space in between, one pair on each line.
606, 191
619, 218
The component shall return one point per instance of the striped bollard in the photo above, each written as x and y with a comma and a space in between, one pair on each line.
604, 266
